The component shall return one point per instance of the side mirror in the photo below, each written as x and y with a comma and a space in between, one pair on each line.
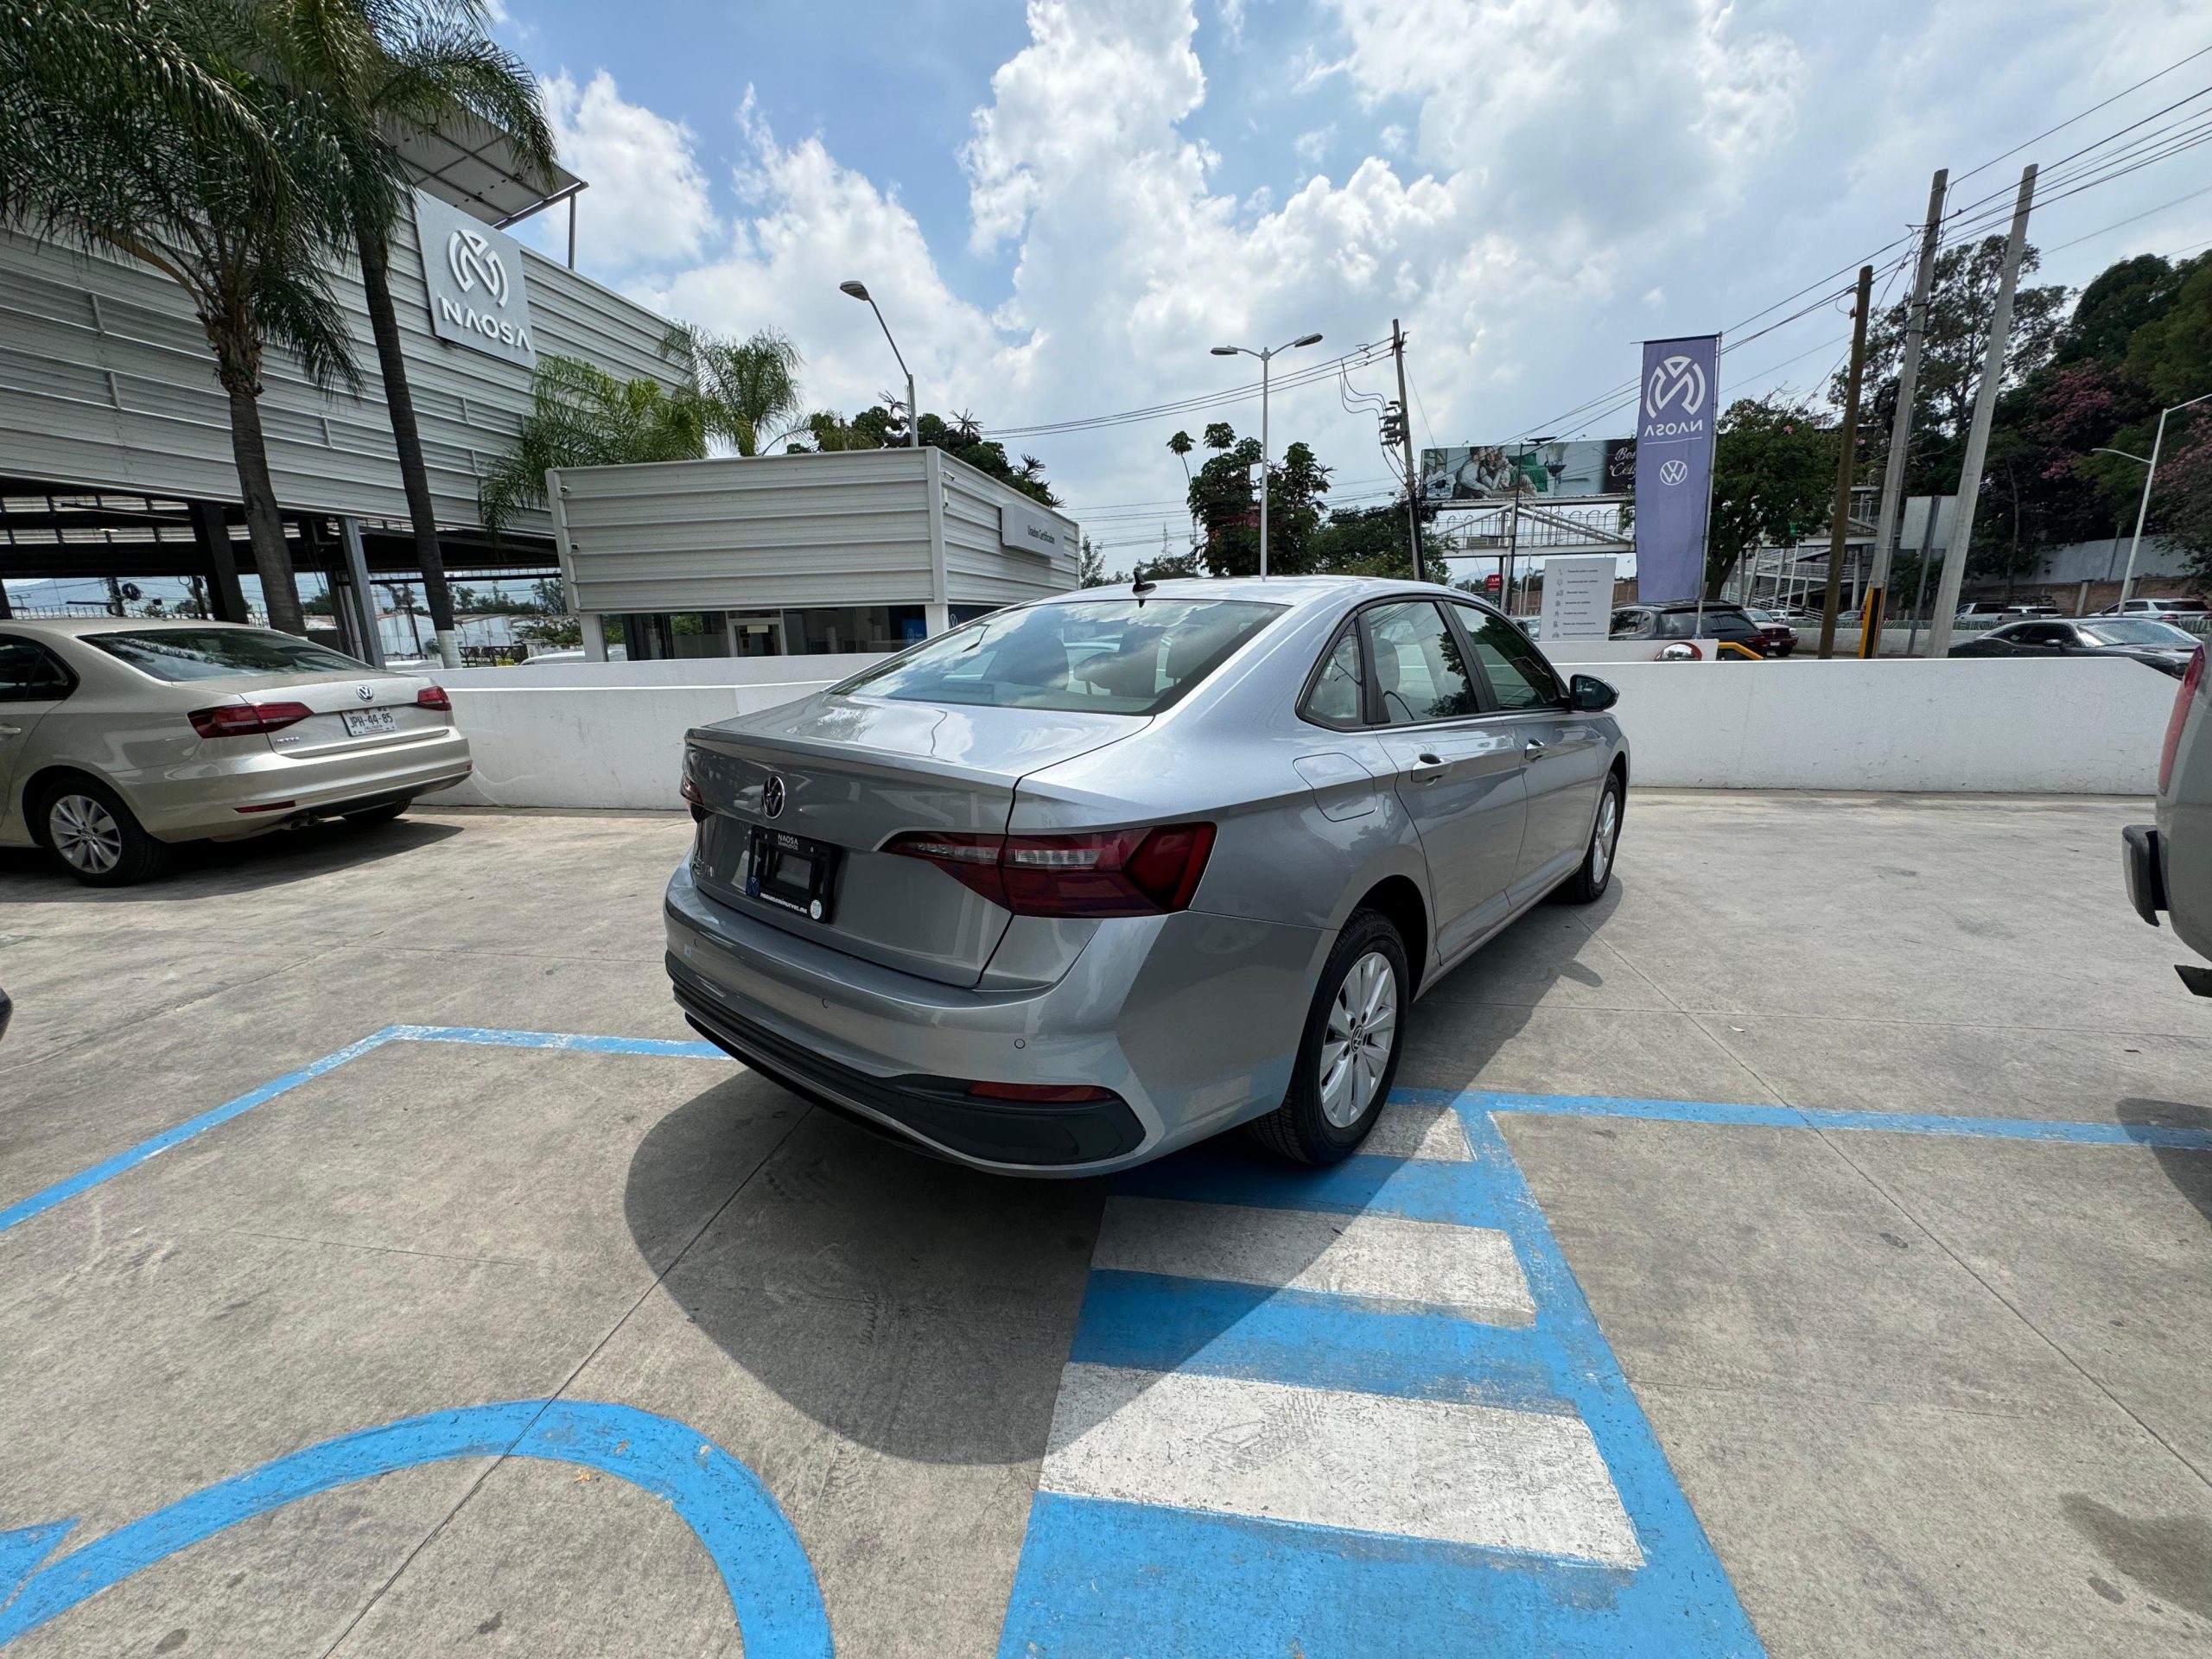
1588, 694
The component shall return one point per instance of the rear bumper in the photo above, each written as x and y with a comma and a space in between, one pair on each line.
2143, 862
246, 793
1191, 1020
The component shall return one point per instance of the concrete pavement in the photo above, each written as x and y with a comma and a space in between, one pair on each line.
1921, 1393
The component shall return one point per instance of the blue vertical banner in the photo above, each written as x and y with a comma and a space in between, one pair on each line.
1676, 410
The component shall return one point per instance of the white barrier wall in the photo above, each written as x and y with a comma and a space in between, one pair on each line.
2082, 726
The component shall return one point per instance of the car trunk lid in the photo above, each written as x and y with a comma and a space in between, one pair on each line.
363, 710
847, 775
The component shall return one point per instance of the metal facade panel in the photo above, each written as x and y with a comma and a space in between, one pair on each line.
106, 380
848, 528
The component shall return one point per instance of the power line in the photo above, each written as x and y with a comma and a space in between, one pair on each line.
2083, 115
2131, 219
1359, 357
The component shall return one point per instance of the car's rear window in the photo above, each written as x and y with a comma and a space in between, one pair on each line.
221, 653
2137, 631
1112, 656
1715, 622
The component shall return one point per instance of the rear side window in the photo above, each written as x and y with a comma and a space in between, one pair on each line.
1111, 657
1336, 697
1519, 676
221, 653
1418, 671
31, 673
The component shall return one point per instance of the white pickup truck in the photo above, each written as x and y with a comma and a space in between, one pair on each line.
2169, 863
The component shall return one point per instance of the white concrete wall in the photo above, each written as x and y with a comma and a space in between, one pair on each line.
2085, 726
805, 672
2088, 727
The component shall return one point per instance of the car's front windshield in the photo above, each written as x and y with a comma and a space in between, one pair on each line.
1111, 656
2137, 631
222, 653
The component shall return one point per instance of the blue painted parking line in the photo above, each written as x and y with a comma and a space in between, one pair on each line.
656, 1048
1509, 1495
772, 1591
2064, 1130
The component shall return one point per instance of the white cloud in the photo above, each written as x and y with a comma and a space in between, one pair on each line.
1311, 147
1392, 138
647, 204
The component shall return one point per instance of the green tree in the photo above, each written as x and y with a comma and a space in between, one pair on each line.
1773, 482
1961, 304
1368, 542
1226, 507
148, 128
961, 437
380, 70
580, 415
1090, 567
748, 389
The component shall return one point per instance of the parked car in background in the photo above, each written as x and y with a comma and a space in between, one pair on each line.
1047, 911
1981, 610
2169, 862
2163, 610
120, 737
2161, 645
1689, 620
1780, 636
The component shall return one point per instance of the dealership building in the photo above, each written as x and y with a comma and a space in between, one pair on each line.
116, 459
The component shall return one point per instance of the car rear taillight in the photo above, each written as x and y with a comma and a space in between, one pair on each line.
2192, 683
433, 696
1144, 872
244, 719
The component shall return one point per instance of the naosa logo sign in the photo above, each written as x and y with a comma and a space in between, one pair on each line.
474, 274
1674, 473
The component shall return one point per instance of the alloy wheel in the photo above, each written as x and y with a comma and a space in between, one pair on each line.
1608, 836
86, 834
1356, 1047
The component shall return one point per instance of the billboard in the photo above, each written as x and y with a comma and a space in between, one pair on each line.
1676, 403
1486, 472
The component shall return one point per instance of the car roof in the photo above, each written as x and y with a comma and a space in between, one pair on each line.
1297, 592
76, 627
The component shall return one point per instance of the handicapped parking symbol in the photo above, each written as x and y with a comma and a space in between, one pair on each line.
771, 1583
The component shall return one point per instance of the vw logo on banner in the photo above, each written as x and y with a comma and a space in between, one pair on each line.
473, 260
1674, 465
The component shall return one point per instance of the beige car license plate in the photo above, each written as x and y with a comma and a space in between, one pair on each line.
367, 722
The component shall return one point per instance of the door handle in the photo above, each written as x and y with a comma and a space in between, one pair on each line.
1431, 767
12, 731
1531, 749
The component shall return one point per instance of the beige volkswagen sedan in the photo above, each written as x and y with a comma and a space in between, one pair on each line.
120, 737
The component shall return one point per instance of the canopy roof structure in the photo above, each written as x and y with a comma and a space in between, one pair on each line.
474, 166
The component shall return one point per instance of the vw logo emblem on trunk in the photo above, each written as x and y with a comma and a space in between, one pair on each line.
772, 795
366, 693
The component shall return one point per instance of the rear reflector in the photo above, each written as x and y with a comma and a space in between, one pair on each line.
1142, 872
1040, 1094
689, 791
273, 806
2191, 683
244, 719
433, 696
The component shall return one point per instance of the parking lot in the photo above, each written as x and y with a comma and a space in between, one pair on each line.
1806, 1248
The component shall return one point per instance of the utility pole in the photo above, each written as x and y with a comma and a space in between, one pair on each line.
1985, 407
1874, 610
1406, 439
1840, 519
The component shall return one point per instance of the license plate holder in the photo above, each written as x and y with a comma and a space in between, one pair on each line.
370, 722
792, 873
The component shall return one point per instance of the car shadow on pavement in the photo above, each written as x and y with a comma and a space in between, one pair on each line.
914, 1307
2190, 1172
205, 867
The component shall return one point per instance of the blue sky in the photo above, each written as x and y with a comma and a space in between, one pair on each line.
1061, 206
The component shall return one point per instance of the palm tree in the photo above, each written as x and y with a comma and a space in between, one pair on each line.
138, 126
382, 71
580, 415
748, 389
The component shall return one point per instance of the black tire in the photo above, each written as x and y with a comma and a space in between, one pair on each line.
1301, 1127
384, 813
96, 837
1594, 874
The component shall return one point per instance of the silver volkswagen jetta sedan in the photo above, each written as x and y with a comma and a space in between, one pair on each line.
1092, 879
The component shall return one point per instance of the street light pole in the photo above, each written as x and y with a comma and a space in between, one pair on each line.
858, 292
2151, 472
1267, 356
